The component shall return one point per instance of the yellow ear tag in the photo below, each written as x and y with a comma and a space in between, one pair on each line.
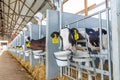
55, 39
76, 35
21, 48
28, 44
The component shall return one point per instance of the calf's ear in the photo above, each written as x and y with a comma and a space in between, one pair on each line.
104, 31
29, 38
57, 33
73, 29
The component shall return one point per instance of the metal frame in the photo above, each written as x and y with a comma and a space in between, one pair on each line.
108, 55
115, 22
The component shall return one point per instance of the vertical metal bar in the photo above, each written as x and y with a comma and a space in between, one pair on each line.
100, 36
40, 29
60, 23
108, 46
24, 45
60, 13
60, 71
115, 25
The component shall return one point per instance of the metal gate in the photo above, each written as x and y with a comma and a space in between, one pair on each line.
83, 66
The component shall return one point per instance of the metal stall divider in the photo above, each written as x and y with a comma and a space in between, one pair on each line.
33, 35
52, 68
40, 55
13, 44
115, 28
26, 50
103, 55
53, 25
21, 45
42, 33
17, 37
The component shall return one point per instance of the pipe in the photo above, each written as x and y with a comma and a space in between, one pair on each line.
87, 17
60, 19
109, 47
100, 32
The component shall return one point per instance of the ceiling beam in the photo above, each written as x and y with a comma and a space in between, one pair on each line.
27, 13
20, 12
86, 7
89, 8
28, 6
13, 15
18, 15
43, 4
93, 7
8, 11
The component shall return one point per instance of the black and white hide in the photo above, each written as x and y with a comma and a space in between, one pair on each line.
69, 37
93, 38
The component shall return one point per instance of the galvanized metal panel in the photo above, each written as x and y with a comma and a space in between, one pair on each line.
115, 15
53, 25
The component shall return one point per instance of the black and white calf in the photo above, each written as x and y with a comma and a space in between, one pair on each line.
69, 38
94, 39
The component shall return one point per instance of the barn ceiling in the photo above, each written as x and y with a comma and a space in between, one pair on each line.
15, 14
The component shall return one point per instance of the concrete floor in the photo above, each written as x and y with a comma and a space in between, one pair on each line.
10, 69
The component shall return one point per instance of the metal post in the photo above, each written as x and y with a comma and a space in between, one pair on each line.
60, 24
109, 48
40, 29
24, 45
115, 22
100, 31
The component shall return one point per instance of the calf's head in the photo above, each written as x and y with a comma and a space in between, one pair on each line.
68, 37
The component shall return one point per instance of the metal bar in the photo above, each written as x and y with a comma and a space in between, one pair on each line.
27, 12
43, 4
40, 29
92, 69
8, 6
8, 11
87, 17
11, 19
100, 31
2, 26
109, 48
18, 14
17, 17
12, 2
28, 6
13, 15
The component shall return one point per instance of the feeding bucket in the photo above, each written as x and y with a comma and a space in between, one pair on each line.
61, 57
36, 53
81, 56
27, 53
18, 51
21, 53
